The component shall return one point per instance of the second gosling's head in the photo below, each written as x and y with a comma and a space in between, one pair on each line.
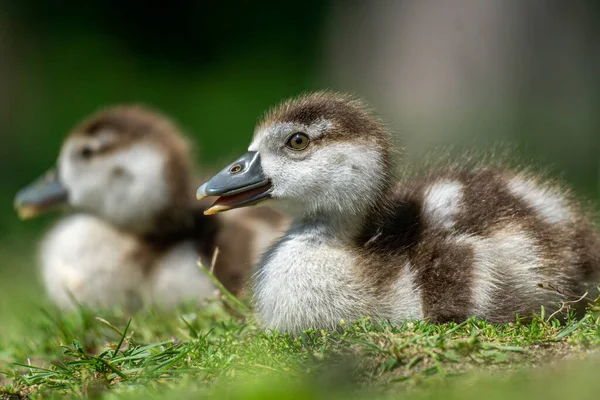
125, 164
321, 152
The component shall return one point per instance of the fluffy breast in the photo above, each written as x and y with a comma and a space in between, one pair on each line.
244, 236
302, 283
87, 261
84, 260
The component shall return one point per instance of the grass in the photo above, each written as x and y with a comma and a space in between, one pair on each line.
220, 351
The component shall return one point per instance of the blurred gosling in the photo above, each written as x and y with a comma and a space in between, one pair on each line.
136, 232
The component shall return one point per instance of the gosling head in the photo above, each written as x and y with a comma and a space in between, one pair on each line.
125, 164
319, 153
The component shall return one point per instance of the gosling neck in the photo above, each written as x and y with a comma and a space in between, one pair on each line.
175, 216
344, 224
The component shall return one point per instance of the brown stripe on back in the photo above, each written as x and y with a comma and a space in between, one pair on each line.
587, 241
442, 269
444, 275
389, 235
487, 203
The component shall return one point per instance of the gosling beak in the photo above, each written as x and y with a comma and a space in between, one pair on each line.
240, 184
43, 194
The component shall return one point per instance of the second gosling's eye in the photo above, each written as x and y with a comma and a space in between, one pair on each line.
86, 152
298, 141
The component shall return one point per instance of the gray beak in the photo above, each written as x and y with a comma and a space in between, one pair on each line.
240, 184
43, 194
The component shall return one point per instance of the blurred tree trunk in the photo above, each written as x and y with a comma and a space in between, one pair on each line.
477, 70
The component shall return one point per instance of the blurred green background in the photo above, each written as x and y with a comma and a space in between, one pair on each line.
215, 66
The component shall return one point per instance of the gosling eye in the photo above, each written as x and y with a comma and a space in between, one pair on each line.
298, 141
86, 152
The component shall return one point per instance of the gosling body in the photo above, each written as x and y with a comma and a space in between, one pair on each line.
135, 235
445, 245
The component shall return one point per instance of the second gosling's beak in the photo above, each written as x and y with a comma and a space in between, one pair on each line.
240, 184
43, 194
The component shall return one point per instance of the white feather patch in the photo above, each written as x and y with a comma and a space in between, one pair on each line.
442, 203
546, 201
510, 256
406, 300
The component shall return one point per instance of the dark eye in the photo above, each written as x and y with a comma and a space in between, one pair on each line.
86, 152
298, 141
